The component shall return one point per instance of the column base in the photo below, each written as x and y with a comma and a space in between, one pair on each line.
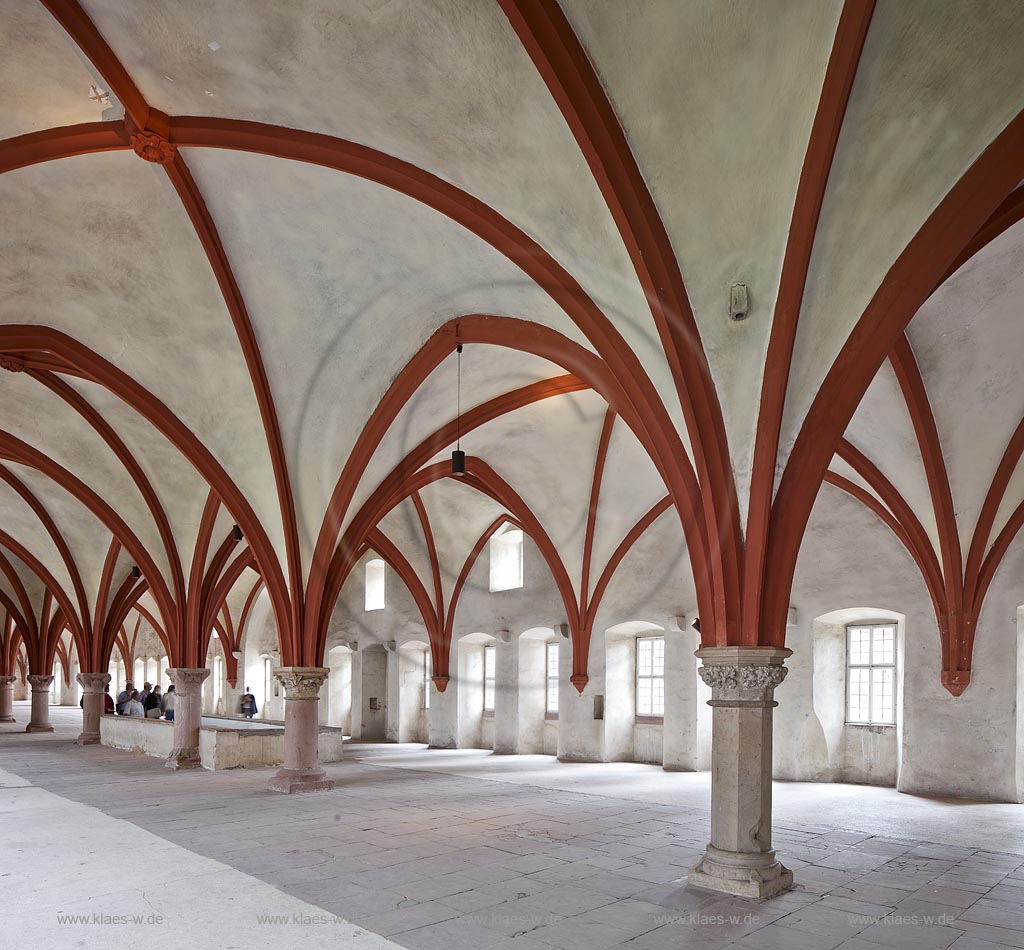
38, 727
184, 759
92, 738
290, 781
755, 875
7, 719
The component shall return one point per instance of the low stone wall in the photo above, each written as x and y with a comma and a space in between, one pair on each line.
220, 746
135, 734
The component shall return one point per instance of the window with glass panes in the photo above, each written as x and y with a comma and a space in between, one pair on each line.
489, 666
428, 665
650, 676
871, 674
552, 683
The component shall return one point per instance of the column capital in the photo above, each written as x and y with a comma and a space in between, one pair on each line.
187, 680
40, 680
301, 682
93, 682
6, 680
742, 675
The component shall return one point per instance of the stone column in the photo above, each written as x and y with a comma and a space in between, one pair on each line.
7, 698
40, 720
188, 685
740, 859
301, 772
92, 706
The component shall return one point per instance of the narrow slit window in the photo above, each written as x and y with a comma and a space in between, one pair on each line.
218, 681
489, 669
871, 674
552, 679
506, 550
375, 584
650, 677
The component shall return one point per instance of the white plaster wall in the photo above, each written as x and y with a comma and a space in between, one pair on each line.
968, 746
950, 746
531, 724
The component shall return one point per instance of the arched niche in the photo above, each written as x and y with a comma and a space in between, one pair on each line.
845, 751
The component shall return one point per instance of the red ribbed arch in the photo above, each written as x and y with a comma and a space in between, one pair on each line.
663, 445
22, 341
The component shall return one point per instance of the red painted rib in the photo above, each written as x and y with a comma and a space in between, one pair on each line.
549, 40
65, 142
435, 565
909, 282
206, 230
908, 374
82, 406
840, 73
85, 35
595, 497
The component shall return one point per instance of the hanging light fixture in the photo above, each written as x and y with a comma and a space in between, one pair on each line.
458, 456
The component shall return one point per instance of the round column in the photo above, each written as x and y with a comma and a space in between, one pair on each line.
739, 859
40, 719
188, 716
7, 698
301, 772
92, 706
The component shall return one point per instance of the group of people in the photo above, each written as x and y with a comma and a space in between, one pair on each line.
150, 703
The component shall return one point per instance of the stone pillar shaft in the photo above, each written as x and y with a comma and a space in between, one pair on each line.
740, 860
7, 698
188, 716
40, 719
301, 770
92, 706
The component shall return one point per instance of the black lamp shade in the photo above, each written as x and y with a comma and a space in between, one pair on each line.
458, 462
136, 571
236, 533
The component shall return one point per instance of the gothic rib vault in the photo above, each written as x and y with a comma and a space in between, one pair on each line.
232, 293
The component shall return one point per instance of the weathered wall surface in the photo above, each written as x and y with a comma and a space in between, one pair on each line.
851, 568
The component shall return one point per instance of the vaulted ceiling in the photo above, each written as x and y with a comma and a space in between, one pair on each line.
243, 239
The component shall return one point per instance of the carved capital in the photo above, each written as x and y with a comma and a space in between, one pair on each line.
13, 364
187, 681
93, 682
301, 682
7, 681
38, 681
743, 677
153, 147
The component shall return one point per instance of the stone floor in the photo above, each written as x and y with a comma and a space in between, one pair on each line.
453, 850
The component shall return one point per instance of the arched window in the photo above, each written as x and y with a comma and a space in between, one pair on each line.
268, 682
375, 584
551, 693
506, 551
218, 681
490, 668
161, 674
